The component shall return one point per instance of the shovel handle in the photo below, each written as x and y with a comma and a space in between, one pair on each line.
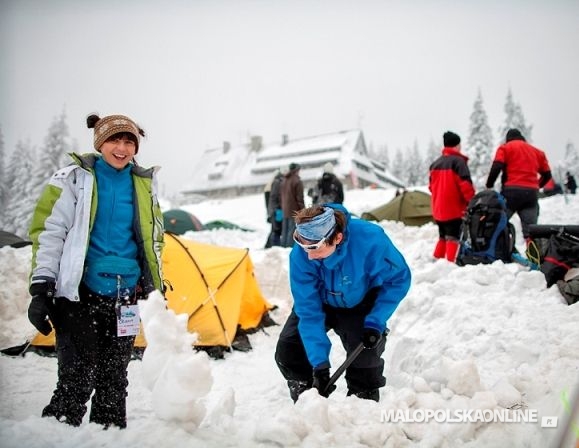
349, 360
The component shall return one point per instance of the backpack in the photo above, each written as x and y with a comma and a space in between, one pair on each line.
487, 235
555, 248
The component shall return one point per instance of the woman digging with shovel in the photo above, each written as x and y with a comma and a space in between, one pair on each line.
345, 275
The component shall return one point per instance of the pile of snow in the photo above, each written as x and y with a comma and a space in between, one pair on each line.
472, 339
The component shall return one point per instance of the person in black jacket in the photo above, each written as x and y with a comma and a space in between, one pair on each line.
328, 189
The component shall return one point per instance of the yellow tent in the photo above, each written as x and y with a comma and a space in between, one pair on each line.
215, 286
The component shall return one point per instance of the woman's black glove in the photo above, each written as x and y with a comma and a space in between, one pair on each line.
42, 294
370, 338
321, 380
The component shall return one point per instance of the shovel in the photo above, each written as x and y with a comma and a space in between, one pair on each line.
349, 360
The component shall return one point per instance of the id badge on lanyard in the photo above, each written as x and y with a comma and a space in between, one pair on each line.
128, 318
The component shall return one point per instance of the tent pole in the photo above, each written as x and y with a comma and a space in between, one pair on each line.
211, 293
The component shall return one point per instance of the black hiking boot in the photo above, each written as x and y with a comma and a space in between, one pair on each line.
372, 394
297, 387
61, 416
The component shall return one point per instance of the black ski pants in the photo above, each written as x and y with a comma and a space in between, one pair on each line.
449, 230
91, 357
524, 202
364, 374
274, 238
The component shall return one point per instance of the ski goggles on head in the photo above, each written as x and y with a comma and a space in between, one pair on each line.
312, 246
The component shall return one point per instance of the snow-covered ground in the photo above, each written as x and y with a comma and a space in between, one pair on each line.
474, 338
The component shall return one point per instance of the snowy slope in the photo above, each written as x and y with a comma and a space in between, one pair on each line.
465, 338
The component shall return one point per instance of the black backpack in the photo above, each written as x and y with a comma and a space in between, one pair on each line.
487, 235
555, 247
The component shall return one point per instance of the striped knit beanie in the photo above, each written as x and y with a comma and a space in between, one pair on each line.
110, 125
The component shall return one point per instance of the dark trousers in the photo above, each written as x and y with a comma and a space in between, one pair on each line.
91, 357
288, 226
524, 202
364, 374
274, 238
449, 230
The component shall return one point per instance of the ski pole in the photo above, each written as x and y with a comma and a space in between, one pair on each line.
349, 360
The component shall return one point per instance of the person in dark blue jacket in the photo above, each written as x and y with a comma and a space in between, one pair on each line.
345, 275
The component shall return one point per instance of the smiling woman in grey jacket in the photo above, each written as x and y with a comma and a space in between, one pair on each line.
97, 234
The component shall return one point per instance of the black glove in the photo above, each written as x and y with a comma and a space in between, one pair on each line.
41, 293
370, 338
321, 380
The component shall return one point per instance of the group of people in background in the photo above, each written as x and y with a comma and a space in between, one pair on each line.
284, 196
524, 170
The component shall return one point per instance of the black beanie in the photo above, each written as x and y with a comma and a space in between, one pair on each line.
450, 139
514, 134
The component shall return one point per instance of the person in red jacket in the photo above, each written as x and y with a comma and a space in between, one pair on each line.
525, 170
451, 188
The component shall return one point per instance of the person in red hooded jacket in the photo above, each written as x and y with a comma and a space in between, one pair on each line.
451, 188
525, 170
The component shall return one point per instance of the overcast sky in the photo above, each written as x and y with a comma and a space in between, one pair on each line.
197, 73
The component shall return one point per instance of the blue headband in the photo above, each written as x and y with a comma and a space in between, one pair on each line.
319, 227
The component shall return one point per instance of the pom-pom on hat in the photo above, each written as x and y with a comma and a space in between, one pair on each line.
514, 134
450, 139
110, 125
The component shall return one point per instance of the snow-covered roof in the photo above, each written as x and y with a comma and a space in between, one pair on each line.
254, 164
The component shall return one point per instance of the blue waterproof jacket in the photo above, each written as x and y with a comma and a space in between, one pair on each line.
365, 259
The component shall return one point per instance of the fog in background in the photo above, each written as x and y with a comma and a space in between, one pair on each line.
197, 73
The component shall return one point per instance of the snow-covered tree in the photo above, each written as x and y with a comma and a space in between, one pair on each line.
21, 202
479, 145
52, 155
514, 118
3, 183
380, 155
433, 152
397, 168
415, 171
571, 160
385, 156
